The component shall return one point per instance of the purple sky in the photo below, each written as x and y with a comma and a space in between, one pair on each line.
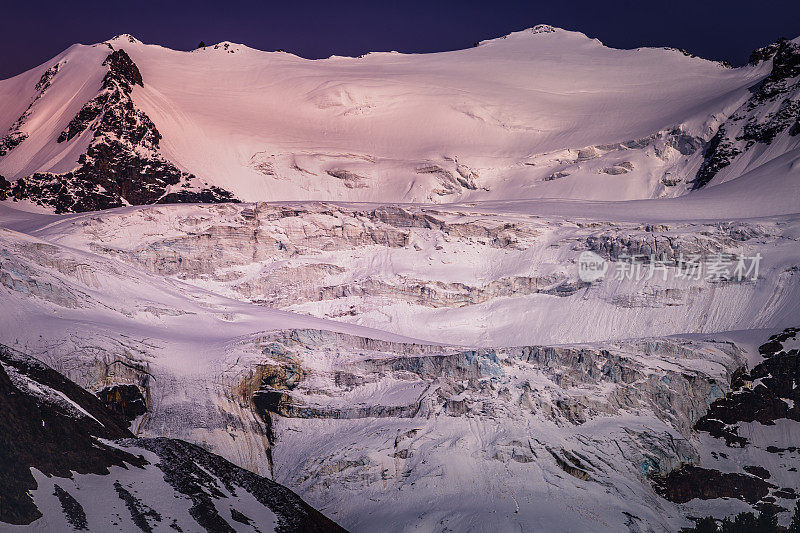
33, 32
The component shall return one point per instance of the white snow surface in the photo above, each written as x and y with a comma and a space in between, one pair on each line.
507, 114
197, 295
82, 291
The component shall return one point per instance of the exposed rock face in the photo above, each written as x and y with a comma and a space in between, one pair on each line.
122, 165
761, 398
73, 511
689, 482
4, 186
718, 154
769, 392
118, 83
51, 425
207, 195
16, 135
764, 53
194, 472
11, 141
772, 110
122, 69
126, 400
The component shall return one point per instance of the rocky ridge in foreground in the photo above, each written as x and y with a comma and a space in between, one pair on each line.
67, 463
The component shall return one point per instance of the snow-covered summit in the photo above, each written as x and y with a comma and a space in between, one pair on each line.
543, 112
534, 30
124, 38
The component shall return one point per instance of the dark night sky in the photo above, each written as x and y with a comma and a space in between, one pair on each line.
32, 32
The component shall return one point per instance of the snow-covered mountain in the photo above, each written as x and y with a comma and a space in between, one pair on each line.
539, 113
406, 338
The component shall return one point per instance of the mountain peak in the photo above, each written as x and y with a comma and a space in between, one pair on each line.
124, 37
227, 46
543, 28
540, 31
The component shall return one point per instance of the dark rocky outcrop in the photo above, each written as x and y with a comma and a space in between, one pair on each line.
764, 53
125, 400
51, 424
758, 471
209, 195
719, 153
11, 141
768, 392
122, 69
689, 482
141, 514
15, 135
5, 186
192, 471
122, 164
759, 395
775, 343
73, 511
785, 65
114, 101
38, 431
771, 109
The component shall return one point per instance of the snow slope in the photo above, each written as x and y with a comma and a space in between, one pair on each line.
444, 197
376, 429
456, 274
539, 113
350, 416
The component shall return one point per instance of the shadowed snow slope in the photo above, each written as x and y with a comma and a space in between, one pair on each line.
68, 473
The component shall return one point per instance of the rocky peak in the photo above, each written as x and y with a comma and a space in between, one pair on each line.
125, 37
543, 28
122, 164
786, 61
772, 109
765, 53
112, 110
122, 70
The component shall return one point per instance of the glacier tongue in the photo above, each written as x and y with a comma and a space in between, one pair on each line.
352, 417
504, 435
